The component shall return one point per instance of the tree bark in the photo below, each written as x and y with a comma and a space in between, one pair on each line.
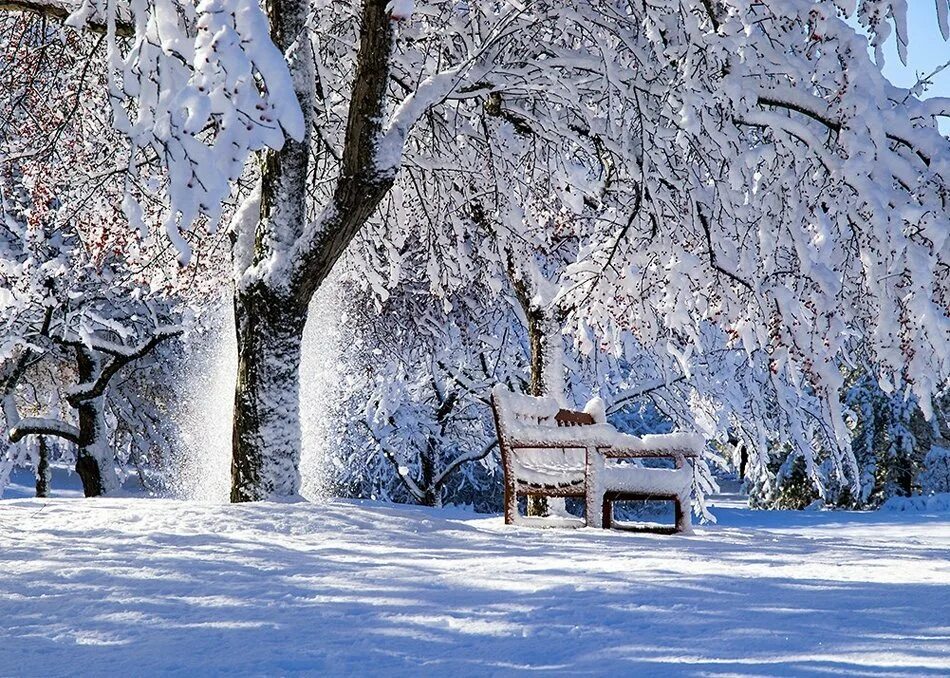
536, 506
270, 315
94, 459
266, 454
427, 462
42, 468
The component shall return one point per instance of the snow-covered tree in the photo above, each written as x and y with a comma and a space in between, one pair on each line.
730, 162
418, 379
935, 477
762, 189
81, 297
102, 325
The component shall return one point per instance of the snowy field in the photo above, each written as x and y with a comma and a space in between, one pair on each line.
145, 586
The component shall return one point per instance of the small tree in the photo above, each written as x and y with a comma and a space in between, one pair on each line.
935, 478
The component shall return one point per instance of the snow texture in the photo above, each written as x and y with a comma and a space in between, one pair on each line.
400, 10
935, 503
149, 587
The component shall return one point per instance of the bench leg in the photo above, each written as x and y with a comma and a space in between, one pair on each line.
594, 496
683, 517
608, 514
511, 503
594, 510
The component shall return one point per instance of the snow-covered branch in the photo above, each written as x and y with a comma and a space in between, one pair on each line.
390, 147
627, 397
43, 426
121, 356
402, 471
464, 459
81, 14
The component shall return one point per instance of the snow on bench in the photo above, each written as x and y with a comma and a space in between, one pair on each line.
554, 452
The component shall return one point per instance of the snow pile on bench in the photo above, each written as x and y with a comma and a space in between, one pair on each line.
560, 457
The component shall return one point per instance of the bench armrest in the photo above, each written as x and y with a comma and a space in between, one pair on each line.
624, 453
678, 456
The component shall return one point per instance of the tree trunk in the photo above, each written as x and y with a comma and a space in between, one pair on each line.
535, 505
427, 462
270, 315
42, 468
544, 361
536, 341
94, 459
266, 443
269, 324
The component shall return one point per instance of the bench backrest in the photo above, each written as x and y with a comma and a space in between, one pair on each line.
573, 418
539, 465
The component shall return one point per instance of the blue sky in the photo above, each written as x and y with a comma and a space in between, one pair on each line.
927, 51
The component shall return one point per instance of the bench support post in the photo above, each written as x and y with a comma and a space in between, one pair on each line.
595, 509
511, 500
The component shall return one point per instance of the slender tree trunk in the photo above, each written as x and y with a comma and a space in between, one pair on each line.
545, 359
537, 341
536, 345
266, 455
42, 468
546, 354
94, 458
428, 460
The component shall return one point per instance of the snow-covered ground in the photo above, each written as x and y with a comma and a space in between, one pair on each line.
147, 586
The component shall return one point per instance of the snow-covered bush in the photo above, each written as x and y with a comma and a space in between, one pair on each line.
935, 477
934, 503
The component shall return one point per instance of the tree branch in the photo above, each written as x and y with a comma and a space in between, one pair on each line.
713, 261
60, 11
800, 103
122, 356
627, 397
360, 187
44, 426
401, 471
463, 459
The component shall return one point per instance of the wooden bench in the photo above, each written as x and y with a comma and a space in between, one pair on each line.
554, 452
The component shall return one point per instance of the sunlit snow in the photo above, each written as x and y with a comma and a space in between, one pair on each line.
146, 587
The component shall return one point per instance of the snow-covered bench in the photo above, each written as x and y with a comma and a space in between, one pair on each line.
553, 452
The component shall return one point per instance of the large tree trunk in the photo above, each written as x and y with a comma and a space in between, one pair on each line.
266, 427
270, 315
95, 462
266, 455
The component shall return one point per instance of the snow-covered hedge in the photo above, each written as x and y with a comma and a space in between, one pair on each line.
935, 503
